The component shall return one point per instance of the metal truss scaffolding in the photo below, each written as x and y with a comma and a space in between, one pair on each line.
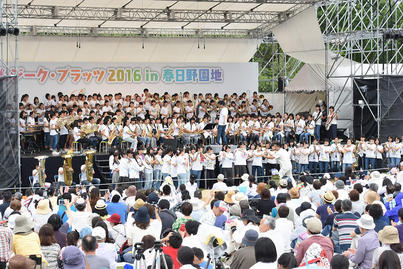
9, 133
367, 36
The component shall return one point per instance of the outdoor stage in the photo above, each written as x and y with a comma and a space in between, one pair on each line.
52, 164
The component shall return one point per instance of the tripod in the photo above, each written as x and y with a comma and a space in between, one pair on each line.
140, 260
216, 262
159, 257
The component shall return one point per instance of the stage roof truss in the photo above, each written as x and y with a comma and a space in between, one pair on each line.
183, 18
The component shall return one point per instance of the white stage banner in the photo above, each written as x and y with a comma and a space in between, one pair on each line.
36, 79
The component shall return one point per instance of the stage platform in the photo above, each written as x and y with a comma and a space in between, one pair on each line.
52, 164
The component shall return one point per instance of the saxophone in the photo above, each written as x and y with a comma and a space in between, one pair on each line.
89, 163
41, 169
68, 169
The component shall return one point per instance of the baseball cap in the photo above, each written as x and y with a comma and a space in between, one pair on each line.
221, 205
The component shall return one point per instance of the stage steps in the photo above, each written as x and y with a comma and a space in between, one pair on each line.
102, 163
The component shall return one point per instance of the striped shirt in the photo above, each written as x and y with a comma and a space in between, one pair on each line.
6, 236
345, 224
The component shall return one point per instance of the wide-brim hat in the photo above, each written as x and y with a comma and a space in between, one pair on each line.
100, 204
142, 215
249, 215
43, 207
220, 177
23, 224
304, 206
314, 225
329, 197
339, 184
228, 197
389, 235
366, 222
73, 258
114, 218
239, 196
250, 238
375, 175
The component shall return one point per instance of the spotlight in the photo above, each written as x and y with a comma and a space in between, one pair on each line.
13, 31
3, 31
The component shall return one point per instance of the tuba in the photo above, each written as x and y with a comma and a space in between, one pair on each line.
68, 169
355, 154
89, 163
41, 170
112, 137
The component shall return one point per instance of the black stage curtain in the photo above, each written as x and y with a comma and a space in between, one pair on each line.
52, 165
391, 103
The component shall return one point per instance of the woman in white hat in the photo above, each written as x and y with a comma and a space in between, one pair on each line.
362, 256
389, 237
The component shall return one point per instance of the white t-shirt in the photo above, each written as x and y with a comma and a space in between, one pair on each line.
209, 161
181, 167
313, 156
166, 167
303, 155
348, 155
81, 219
76, 133
370, 150
240, 157
53, 124
257, 160
227, 159
223, 116
299, 126
324, 153
221, 186
196, 164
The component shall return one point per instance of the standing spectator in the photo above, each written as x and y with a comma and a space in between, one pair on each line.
49, 247
345, 223
89, 245
362, 256
6, 236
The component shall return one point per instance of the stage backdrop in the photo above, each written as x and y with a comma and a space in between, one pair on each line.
36, 79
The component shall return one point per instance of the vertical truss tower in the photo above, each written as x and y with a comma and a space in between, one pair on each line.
9, 118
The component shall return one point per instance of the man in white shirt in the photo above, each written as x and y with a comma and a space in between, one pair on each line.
222, 123
220, 184
317, 118
283, 159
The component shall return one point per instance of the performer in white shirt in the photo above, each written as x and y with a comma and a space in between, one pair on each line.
283, 159
222, 123
226, 158
317, 118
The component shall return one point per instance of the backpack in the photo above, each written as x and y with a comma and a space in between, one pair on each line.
315, 254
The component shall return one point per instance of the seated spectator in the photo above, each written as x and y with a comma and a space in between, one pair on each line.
199, 259
389, 260
21, 262
220, 184
265, 254
25, 241
89, 246
267, 228
367, 244
389, 238
42, 214
6, 236
49, 247
322, 212
100, 209
173, 243
167, 216
244, 257
287, 261
140, 227
358, 205
284, 226
117, 230
186, 258
60, 229
210, 216
265, 204
314, 228
344, 224
104, 249
186, 210
189, 236
115, 206
339, 262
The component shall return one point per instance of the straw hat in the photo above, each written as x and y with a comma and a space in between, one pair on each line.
366, 222
228, 197
23, 224
139, 203
43, 207
370, 197
314, 225
389, 235
100, 204
329, 197
239, 196
294, 193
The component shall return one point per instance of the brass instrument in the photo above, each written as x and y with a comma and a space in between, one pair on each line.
144, 131
89, 162
85, 130
180, 130
112, 136
150, 132
68, 169
355, 165
158, 134
41, 169
170, 130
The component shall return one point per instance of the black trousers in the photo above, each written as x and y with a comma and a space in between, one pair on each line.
62, 141
227, 172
